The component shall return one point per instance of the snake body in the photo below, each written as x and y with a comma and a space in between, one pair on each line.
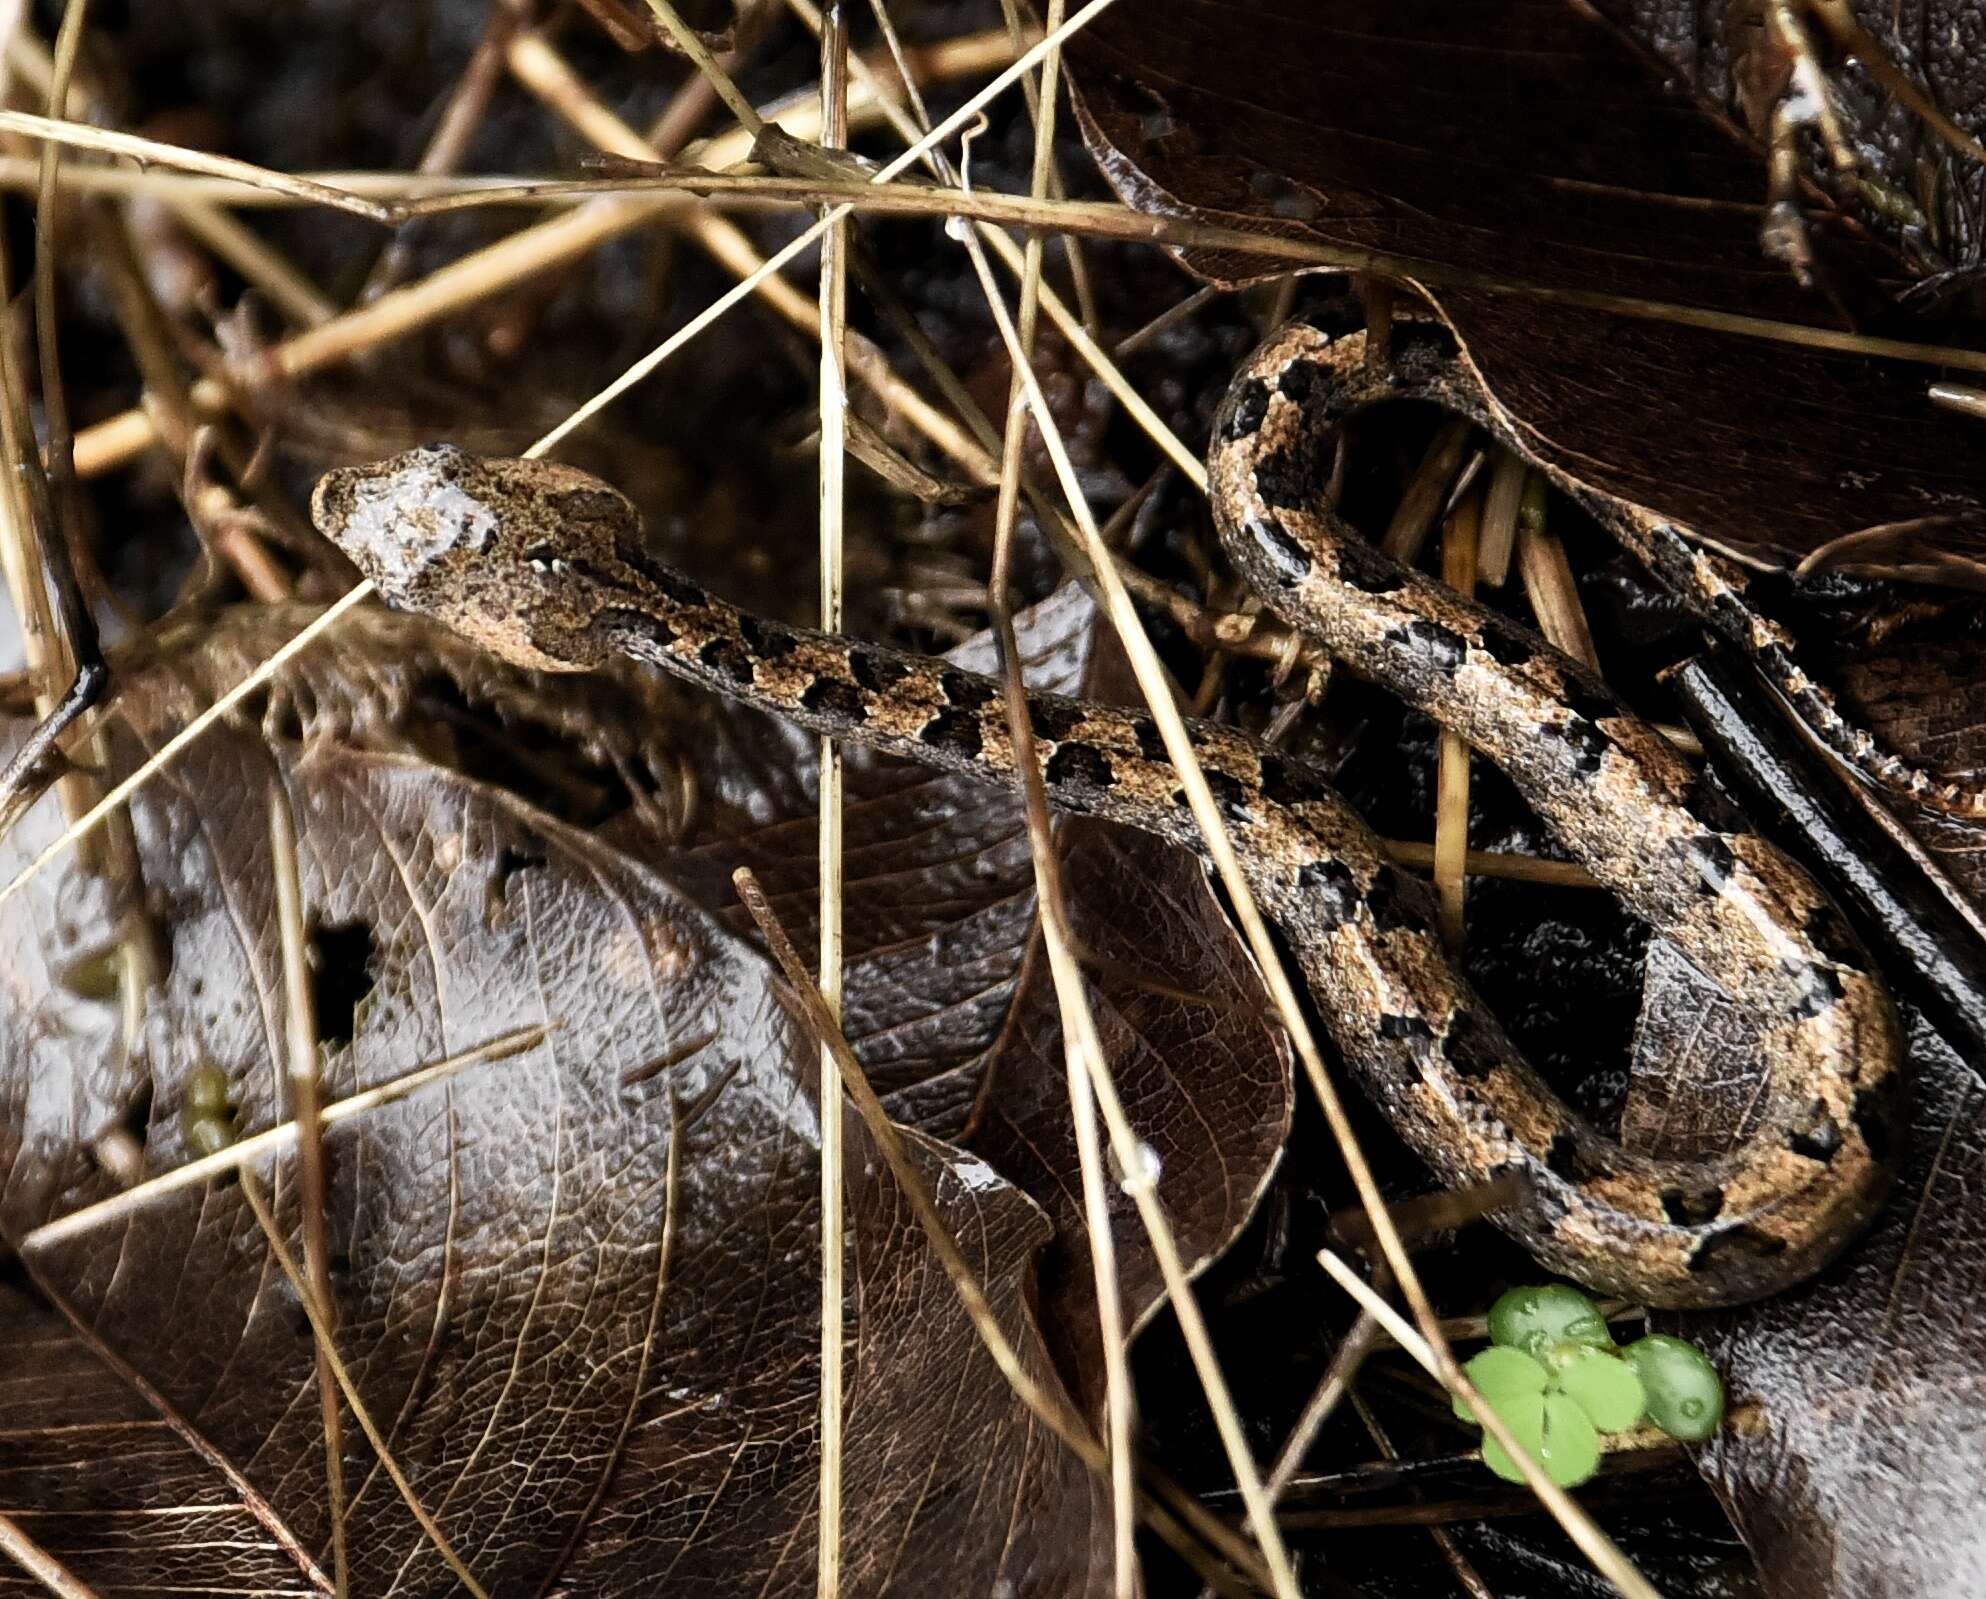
1426, 363
545, 565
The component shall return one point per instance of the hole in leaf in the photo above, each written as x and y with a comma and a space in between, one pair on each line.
342, 959
511, 861
137, 1117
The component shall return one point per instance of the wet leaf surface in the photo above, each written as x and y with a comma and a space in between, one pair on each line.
1528, 142
1517, 139
560, 1405
1721, 53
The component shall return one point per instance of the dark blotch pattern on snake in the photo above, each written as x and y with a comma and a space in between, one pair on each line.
467, 539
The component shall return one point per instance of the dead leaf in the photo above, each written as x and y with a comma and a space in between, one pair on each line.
1522, 140
1528, 143
567, 1415
947, 996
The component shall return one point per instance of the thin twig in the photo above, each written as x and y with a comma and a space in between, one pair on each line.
196, 1440
60, 641
448, 144
1466, 1575
301, 1049
833, 470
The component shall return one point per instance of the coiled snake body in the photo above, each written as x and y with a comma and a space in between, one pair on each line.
544, 564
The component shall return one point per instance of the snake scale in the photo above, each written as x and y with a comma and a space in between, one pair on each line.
545, 565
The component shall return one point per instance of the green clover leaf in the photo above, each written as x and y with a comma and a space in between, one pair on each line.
1602, 1384
1503, 1377
1554, 1375
1537, 1320
1685, 1394
1555, 1432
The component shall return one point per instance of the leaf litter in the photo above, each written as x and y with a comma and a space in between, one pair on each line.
906, 1031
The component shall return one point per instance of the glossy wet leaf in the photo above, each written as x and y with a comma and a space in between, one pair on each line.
574, 1419
1607, 1388
1537, 1319
1685, 1394
1556, 1433
1455, 138
1502, 1376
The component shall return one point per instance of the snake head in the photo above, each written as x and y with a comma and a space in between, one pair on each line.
519, 556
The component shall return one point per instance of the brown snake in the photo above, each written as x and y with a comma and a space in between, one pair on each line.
545, 565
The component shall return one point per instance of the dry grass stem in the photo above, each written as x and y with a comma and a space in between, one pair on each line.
1046, 1404
1451, 791
107, 141
1960, 397
471, 279
960, 118
1168, 319
1549, 583
39, 1564
1072, 996
1157, 690
300, 1047
1094, 356
1500, 506
833, 472
1496, 863
194, 1439
740, 108
1414, 516
1357, 1343
203, 217
1051, 1410
548, 76
1155, 686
